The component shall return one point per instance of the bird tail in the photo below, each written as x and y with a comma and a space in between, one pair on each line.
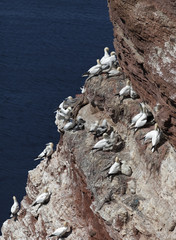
85, 74
153, 148
35, 159
52, 235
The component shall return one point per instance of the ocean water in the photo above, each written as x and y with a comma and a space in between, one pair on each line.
45, 46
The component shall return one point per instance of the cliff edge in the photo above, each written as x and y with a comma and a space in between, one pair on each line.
138, 202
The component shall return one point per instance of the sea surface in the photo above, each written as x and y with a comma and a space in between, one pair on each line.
45, 46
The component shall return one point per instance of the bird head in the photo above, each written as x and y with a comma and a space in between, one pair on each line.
127, 82
69, 97
106, 49
119, 69
66, 224
113, 53
117, 159
98, 61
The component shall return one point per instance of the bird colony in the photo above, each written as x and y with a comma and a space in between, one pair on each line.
106, 139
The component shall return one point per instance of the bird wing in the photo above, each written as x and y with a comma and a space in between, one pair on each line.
42, 154
115, 168
60, 231
100, 144
125, 91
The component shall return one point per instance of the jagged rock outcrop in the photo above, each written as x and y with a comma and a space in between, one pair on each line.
145, 41
128, 207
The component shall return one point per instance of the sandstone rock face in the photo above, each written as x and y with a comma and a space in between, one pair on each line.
135, 206
145, 42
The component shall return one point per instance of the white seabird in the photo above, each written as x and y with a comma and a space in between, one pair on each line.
114, 72
61, 231
47, 152
106, 55
141, 121
93, 71
15, 207
83, 90
70, 125
148, 136
125, 91
42, 198
109, 61
115, 168
137, 116
102, 143
156, 139
63, 114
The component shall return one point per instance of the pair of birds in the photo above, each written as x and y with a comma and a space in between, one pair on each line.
127, 91
106, 63
119, 167
140, 120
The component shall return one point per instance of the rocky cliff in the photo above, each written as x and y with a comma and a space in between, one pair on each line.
138, 202
145, 41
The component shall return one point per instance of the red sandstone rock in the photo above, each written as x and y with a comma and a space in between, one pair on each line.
145, 42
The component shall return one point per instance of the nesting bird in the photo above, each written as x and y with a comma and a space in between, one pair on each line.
141, 121
47, 152
115, 168
42, 198
102, 143
100, 129
153, 136
114, 72
93, 71
15, 207
137, 116
108, 62
60, 232
125, 91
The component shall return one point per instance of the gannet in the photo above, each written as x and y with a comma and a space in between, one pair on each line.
115, 168
156, 138
109, 61
61, 231
93, 71
114, 72
83, 90
15, 207
64, 113
47, 152
101, 129
106, 55
69, 125
137, 116
125, 91
141, 121
67, 102
42, 198
148, 136
102, 143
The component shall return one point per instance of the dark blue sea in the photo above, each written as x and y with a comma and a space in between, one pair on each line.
45, 46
